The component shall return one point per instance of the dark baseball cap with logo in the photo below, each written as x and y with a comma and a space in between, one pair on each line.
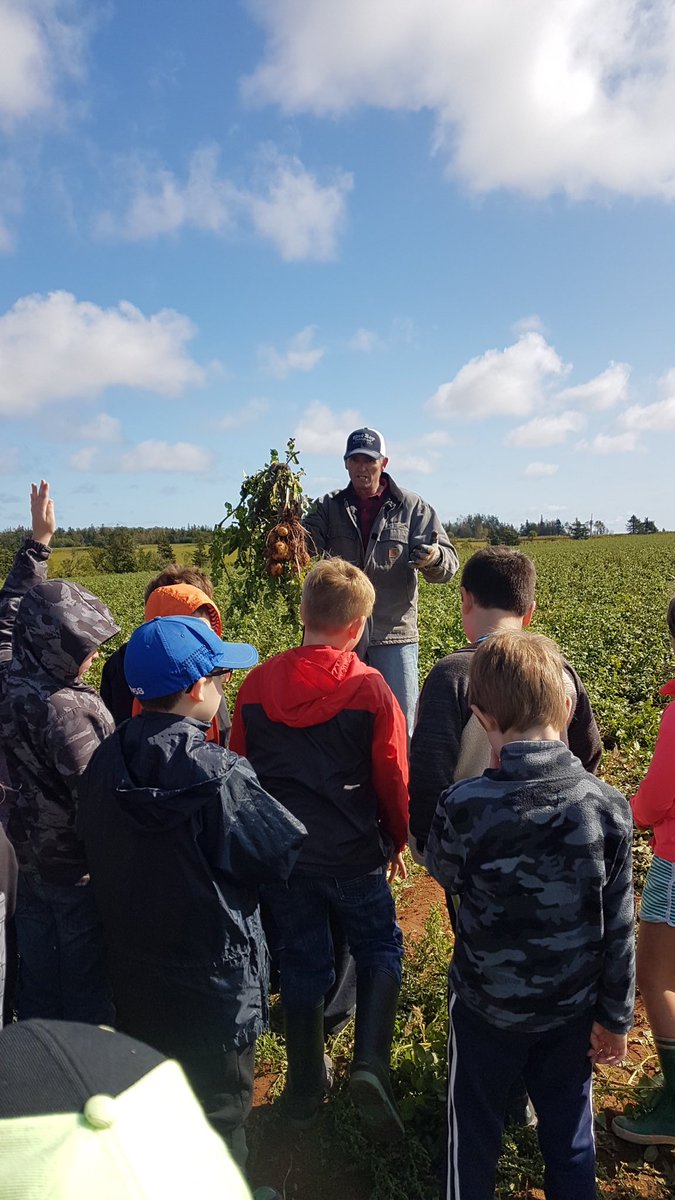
366, 441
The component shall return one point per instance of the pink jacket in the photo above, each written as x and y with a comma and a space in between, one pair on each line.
654, 802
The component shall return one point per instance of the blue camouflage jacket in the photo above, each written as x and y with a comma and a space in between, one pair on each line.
50, 720
539, 852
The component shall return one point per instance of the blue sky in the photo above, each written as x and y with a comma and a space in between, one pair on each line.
224, 224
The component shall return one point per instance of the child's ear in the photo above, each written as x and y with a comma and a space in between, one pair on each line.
569, 709
529, 614
489, 724
196, 692
467, 601
357, 627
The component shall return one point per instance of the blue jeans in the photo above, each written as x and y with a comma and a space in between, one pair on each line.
484, 1062
398, 665
61, 973
302, 909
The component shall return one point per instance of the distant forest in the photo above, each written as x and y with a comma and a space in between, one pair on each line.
120, 549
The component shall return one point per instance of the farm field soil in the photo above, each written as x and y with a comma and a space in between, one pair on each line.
316, 1165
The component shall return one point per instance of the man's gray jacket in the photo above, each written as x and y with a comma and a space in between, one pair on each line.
405, 522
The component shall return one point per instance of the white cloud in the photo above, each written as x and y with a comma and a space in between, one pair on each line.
537, 97
300, 216
602, 392
56, 348
508, 382
321, 431
102, 428
364, 340
285, 204
301, 355
531, 324
150, 456
657, 416
251, 411
541, 469
603, 443
160, 204
41, 46
546, 431
162, 456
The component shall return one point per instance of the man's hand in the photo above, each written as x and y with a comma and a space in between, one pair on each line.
607, 1047
397, 867
42, 513
425, 556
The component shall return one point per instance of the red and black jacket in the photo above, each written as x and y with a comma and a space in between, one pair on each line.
328, 740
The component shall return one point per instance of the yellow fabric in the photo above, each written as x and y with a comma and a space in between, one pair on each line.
151, 1142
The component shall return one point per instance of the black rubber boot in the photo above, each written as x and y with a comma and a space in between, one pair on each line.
306, 1076
370, 1085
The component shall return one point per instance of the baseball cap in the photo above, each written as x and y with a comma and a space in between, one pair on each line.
169, 654
366, 441
85, 1111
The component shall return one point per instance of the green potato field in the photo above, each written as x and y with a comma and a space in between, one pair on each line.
603, 601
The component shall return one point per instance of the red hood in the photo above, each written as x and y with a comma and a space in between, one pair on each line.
668, 688
308, 685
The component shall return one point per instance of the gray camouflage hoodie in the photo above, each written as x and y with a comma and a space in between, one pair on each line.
50, 722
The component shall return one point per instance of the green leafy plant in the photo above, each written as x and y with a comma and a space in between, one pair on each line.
260, 544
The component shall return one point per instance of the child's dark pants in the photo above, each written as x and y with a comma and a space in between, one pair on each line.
483, 1063
185, 1024
302, 910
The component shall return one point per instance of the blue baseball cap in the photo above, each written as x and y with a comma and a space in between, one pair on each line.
169, 654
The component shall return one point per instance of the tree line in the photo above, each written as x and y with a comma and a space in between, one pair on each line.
121, 549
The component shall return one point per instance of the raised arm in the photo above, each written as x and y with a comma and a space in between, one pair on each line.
30, 564
431, 550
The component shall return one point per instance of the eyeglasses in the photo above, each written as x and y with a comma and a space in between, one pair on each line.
224, 673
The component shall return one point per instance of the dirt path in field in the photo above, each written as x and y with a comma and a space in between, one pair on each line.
315, 1165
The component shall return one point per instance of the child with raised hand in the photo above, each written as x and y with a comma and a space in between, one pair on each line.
542, 978
654, 806
51, 722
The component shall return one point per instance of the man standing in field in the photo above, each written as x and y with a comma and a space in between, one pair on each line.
391, 534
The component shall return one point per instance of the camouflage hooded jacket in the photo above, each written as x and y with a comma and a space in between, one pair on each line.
539, 852
50, 722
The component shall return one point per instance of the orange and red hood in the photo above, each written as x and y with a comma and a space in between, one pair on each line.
182, 600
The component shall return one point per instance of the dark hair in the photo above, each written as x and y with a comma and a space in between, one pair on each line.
670, 617
175, 573
499, 577
161, 703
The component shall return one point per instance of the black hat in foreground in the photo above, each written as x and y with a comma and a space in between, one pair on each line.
86, 1112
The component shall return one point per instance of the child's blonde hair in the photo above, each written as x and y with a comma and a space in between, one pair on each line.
517, 678
334, 594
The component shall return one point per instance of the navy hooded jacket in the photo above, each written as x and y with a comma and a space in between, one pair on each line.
178, 834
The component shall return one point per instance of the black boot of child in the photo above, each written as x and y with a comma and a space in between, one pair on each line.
370, 1085
308, 1073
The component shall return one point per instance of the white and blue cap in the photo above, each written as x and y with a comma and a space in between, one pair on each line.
366, 441
169, 654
